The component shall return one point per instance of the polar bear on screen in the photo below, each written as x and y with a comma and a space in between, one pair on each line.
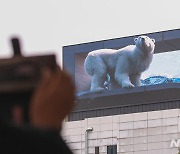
124, 66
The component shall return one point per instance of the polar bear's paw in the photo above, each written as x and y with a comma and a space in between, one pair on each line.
127, 85
97, 90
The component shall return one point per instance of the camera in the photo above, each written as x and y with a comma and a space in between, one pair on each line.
19, 77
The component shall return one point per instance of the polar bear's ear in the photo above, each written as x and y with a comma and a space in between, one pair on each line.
153, 40
135, 39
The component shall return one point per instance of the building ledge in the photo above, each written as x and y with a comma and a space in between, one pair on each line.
127, 97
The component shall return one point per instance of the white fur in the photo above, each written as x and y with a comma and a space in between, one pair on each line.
124, 65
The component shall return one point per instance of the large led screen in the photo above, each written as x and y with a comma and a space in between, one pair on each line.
164, 68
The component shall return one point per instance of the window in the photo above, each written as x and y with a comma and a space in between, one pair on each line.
96, 150
112, 149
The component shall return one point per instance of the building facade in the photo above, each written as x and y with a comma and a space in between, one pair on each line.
141, 120
155, 132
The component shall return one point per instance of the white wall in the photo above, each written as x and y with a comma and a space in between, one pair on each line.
137, 133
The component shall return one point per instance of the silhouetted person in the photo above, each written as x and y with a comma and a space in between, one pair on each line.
50, 104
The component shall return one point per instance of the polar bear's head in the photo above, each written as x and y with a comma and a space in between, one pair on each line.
145, 44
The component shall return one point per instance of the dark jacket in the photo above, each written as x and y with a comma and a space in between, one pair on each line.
28, 140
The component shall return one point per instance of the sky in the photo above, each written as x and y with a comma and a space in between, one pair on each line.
164, 64
44, 26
